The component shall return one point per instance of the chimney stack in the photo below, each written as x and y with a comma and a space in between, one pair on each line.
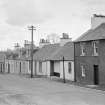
64, 39
97, 20
43, 42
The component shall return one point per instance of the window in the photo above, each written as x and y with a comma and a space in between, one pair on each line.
83, 71
82, 45
95, 48
69, 67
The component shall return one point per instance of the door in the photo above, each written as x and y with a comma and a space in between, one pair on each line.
20, 67
96, 75
52, 68
1, 68
57, 68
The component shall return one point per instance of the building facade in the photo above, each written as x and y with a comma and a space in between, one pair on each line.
89, 52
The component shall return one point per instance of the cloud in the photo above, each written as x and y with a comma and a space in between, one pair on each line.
22, 12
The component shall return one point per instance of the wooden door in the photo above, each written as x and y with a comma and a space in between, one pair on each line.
96, 75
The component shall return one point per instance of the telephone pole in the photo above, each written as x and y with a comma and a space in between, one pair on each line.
32, 28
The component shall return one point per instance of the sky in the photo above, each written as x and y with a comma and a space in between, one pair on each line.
48, 16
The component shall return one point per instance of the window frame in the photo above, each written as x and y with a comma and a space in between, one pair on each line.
95, 48
83, 71
82, 47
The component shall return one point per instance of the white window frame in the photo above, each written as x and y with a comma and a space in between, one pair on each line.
83, 71
82, 49
95, 52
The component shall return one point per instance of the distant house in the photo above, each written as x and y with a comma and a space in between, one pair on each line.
66, 51
12, 63
41, 62
89, 51
18, 61
48, 60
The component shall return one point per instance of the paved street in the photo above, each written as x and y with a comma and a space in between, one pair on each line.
19, 90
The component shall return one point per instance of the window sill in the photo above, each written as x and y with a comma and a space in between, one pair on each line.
82, 55
95, 55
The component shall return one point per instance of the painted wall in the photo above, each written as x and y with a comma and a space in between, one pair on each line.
58, 67
24, 67
48, 68
2, 68
15, 66
68, 75
45, 70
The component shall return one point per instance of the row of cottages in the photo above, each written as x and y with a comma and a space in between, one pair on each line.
63, 61
18, 60
89, 51
16, 64
84, 60
49, 59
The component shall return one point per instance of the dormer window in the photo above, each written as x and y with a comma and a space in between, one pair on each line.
95, 48
82, 46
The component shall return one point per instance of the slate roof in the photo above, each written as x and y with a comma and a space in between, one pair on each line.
67, 51
93, 34
45, 52
55, 52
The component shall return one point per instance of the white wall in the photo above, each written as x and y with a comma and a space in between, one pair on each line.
11, 62
37, 68
57, 66
6, 66
45, 68
48, 68
68, 76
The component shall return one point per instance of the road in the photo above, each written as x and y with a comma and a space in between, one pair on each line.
19, 90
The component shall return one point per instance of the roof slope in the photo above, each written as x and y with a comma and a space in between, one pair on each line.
45, 52
93, 34
67, 51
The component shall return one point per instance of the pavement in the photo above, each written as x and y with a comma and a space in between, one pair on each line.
21, 90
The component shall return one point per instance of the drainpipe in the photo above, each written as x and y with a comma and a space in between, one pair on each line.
74, 64
63, 71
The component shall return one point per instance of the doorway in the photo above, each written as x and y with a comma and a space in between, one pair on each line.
20, 67
52, 68
96, 74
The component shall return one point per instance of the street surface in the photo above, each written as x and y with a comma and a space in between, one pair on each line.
20, 90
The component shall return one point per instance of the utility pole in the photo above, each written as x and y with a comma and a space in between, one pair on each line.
32, 28
64, 71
